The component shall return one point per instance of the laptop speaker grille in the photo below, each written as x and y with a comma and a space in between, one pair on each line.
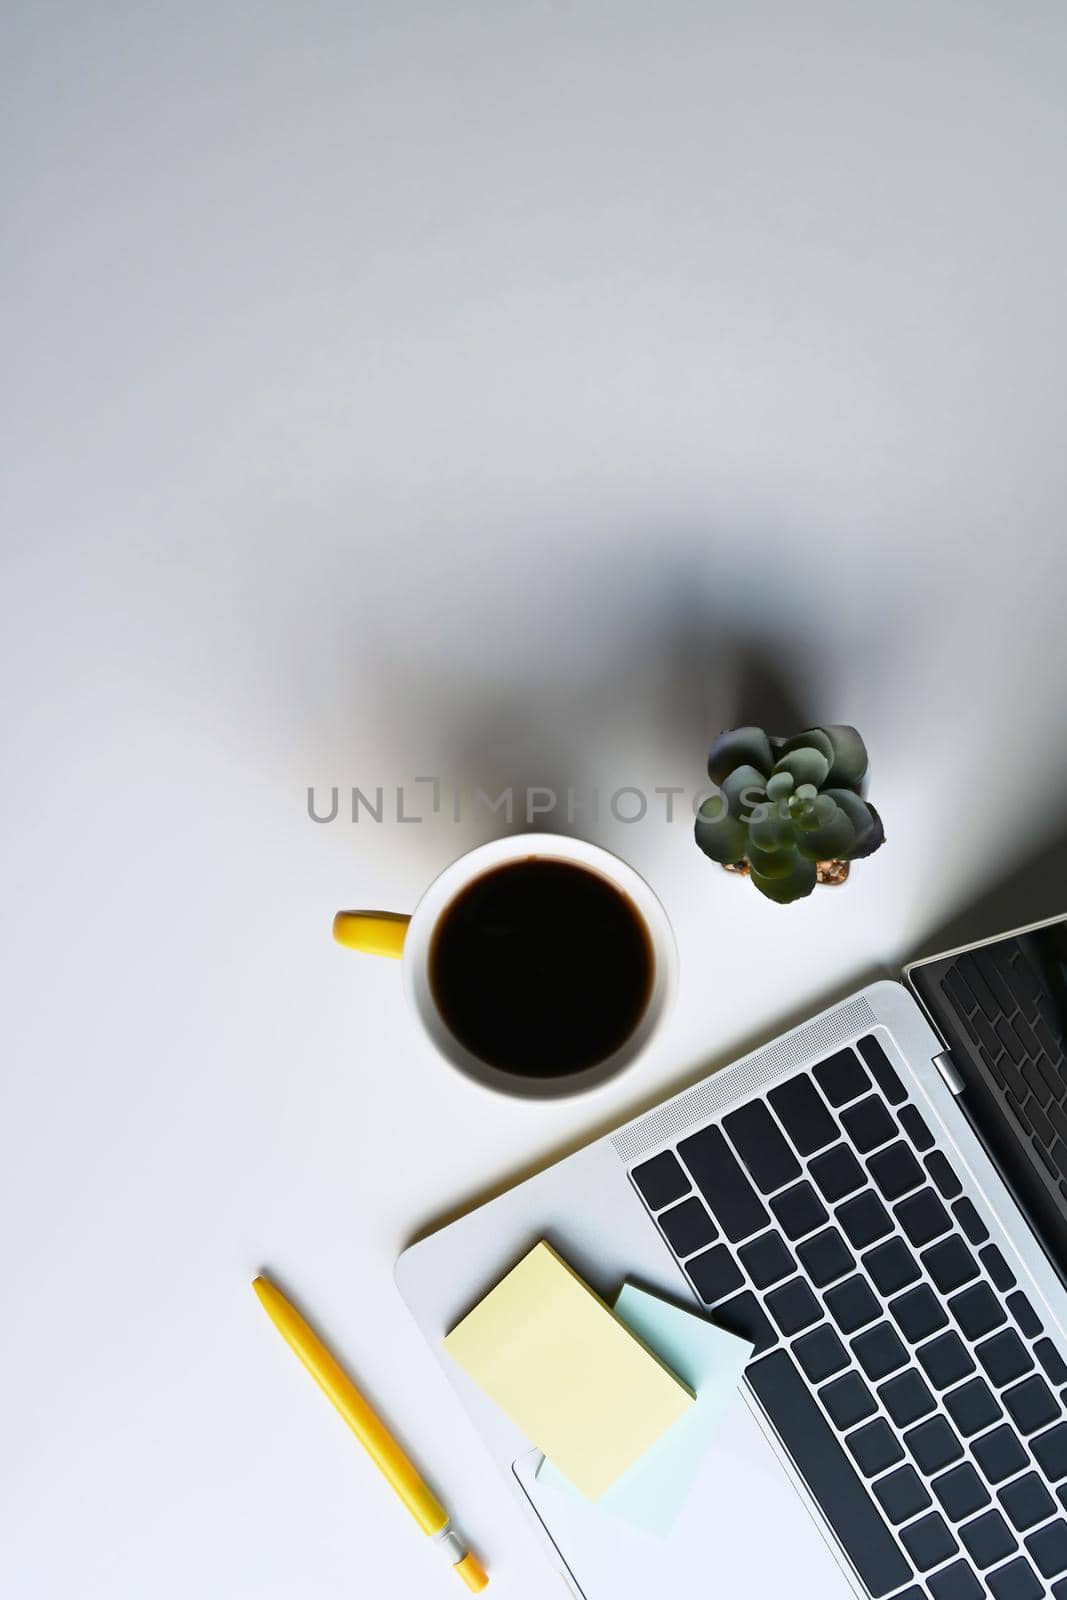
749, 1076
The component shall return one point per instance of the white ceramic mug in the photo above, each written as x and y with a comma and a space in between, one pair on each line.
410, 939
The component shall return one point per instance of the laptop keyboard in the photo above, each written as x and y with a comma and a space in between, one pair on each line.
1012, 1018
906, 1373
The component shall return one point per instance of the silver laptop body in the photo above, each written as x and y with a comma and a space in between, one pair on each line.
948, 1318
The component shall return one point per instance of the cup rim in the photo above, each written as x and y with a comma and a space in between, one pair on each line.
543, 846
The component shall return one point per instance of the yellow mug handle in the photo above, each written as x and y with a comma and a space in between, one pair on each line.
377, 933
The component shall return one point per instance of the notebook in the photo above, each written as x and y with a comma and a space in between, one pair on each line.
568, 1371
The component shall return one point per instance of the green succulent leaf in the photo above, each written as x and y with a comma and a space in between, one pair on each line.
745, 790
740, 747
814, 739
719, 835
798, 882
832, 840
780, 786
874, 839
772, 863
865, 821
825, 809
774, 832
850, 755
805, 765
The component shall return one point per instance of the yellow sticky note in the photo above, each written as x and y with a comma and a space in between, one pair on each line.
568, 1371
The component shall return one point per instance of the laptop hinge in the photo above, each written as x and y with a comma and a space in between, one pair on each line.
949, 1071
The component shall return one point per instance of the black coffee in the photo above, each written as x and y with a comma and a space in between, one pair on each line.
541, 968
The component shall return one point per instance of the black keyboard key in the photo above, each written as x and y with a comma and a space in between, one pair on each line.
803, 1115
970, 1221
1059, 1120
918, 1313
661, 1180
977, 1310
944, 1177
956, 1582
988, 1539
972, 1407
875, 1447
950, 1264
852, 1305
1059, 1590
896, 1171
961, 1492
998, 1269
923, 1217
821, 1353
934, 1445
915, 1128
901, 1494
1004, 1357
1048, 1546
848, 1400
967, 967
907, 1398
837, 1172
1027, 1502
1050, 1452
1040, 1124
929, 1541
826, 1257
1016, 1581
1010, 1076
1051, 1360
891, 1267
718, 1175
879, 1351
884, 1075
829, 1475
945, 1360
766, 1260
799, 1210
744, 1316
1025, 1316
841, 1078
1031, 1405
793, 1307
758, 1141
687, 1227
868, 1124
714, 1274
999, 1454
864, 1219
998, 976
1036, 1084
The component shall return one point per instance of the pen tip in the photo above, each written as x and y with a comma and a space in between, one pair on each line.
473, 1573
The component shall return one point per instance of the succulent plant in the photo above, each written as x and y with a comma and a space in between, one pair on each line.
784, 805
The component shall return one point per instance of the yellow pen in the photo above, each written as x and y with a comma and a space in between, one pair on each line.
371, 1432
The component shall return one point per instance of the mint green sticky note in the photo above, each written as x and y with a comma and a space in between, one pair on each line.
651, 1494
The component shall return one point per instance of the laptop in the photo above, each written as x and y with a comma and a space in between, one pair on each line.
877, 1200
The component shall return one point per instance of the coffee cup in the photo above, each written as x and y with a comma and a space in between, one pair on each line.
538, 965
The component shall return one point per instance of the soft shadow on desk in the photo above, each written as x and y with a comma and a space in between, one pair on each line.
696, 1074
1029, 889
625, 681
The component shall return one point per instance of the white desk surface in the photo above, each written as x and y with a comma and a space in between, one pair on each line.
507, 393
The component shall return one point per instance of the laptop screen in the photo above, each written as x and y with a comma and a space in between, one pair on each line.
1001, 1008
